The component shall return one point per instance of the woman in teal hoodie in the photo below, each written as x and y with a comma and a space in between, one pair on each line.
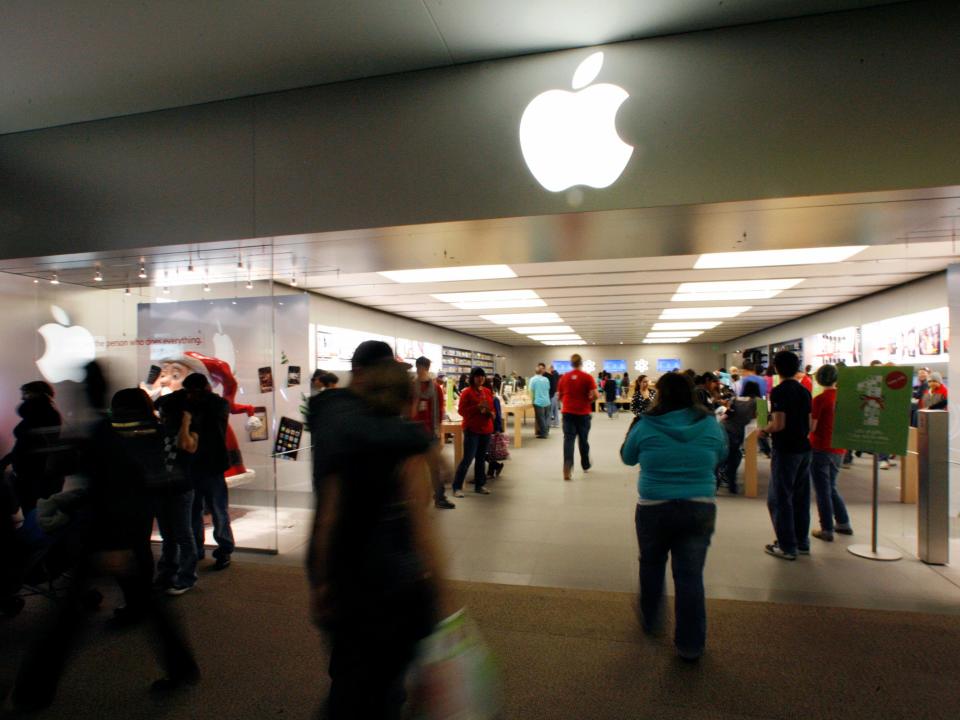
679, 445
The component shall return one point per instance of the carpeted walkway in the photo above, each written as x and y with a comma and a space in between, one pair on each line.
564, 654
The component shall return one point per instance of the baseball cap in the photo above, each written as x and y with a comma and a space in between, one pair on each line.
373, 352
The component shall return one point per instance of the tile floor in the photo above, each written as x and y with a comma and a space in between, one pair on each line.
536, 529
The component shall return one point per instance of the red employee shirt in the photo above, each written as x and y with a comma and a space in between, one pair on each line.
824, 412
471, 400
575, 390
807, 383
427, 405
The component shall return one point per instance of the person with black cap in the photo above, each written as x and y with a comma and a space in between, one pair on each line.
371, 561
476, 409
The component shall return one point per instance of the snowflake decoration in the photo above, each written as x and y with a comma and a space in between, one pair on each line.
641, 366
589, 365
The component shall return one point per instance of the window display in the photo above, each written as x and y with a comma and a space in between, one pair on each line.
917, 338
843, 345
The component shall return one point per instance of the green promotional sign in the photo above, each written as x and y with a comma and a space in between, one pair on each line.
873, 408
762, 412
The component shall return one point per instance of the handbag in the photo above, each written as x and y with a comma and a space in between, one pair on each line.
499, 447
456, 677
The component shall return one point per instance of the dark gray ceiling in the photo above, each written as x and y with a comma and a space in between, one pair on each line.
67, 61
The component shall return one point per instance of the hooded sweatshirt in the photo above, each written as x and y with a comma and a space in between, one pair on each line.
677, 452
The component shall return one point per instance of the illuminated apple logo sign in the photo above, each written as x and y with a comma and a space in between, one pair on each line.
68, 349
641, 366
570, 138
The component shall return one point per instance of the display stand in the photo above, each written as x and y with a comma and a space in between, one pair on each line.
873, 551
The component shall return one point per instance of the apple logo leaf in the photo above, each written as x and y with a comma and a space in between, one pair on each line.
587, 71
60, 315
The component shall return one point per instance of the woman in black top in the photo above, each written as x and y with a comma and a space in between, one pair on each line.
644, 396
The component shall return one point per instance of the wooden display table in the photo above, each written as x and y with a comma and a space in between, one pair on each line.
519, 413
450, 427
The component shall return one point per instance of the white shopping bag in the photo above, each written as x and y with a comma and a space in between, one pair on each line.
456, 677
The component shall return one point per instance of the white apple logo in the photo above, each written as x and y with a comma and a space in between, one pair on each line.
68, 349
570, 138
223, 348
589, 366
641, 366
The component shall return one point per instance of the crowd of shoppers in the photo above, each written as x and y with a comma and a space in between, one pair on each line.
377, 464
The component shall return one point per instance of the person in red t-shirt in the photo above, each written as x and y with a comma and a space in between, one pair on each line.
427, 409
476, 409
577, 391
826, 460
804, 379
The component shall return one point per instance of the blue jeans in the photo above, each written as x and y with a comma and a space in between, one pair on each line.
682, 529
576, 429
212, 490
734, 443
475, 448
823, 471
611, 408
788, 499
178, 554
542, 413
555, 411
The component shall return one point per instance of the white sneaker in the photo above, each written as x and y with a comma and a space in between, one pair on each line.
884, 465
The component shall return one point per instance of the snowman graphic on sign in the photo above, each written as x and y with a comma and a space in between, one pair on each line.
870, 391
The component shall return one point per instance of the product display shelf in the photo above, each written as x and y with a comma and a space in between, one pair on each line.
460, 360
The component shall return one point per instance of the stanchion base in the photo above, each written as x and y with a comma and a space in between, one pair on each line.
882, 553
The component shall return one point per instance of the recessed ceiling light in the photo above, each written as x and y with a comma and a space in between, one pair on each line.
733, 290
486, 295
542, 329
664, 341
685, 325
498, 304
703, 312
54, 280
675, 333
571, 336
772, 258
523, 318
450, 274
561, 343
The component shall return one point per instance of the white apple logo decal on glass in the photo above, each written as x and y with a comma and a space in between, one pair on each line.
570, 138
223, 348
68, 349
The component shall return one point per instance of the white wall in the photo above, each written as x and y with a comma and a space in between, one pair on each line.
699, 356
925, 294
326, 310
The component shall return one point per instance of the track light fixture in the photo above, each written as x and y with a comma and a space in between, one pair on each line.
54, 280
98, 276
143, 270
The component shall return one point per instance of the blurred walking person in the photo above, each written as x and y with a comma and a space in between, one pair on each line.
372, 563
540, 396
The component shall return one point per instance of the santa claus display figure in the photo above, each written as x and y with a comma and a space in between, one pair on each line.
173, 370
